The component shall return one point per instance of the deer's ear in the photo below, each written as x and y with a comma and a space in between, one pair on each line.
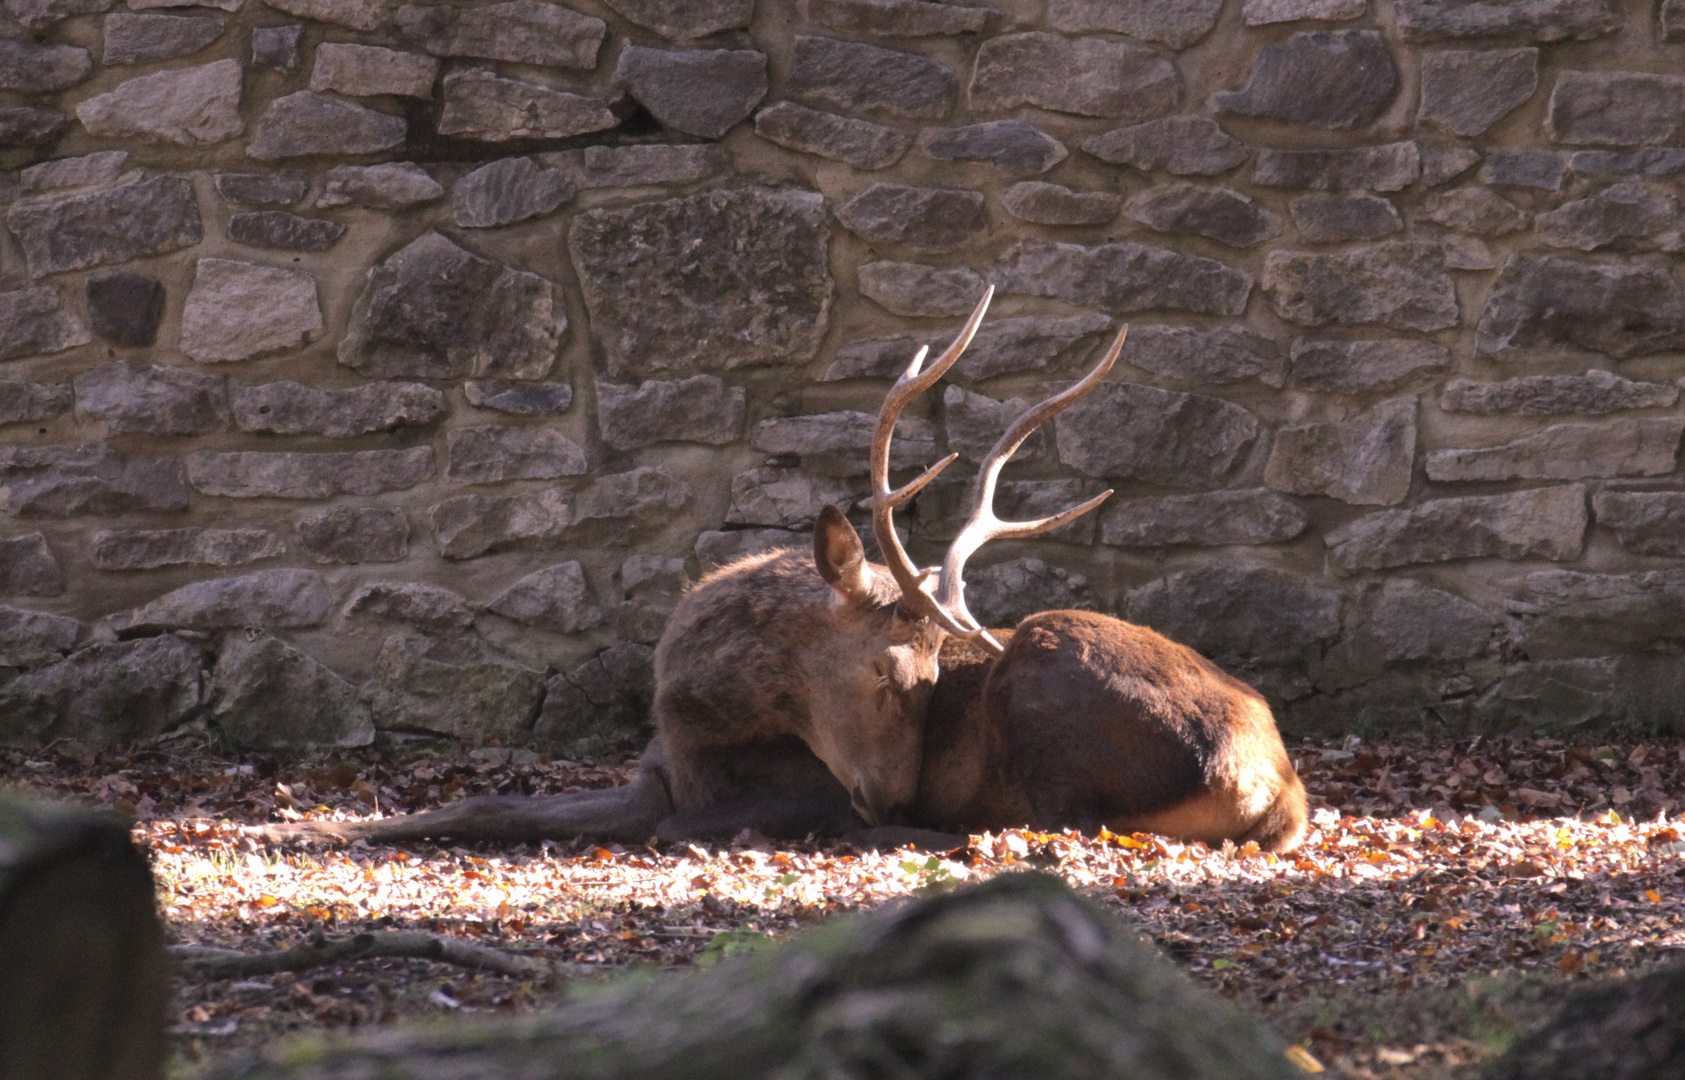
839, 556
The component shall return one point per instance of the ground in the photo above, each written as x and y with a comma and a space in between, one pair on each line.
1447, 896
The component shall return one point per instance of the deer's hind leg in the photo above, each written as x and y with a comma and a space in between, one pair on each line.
774, 786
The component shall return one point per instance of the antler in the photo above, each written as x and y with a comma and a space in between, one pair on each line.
983, 526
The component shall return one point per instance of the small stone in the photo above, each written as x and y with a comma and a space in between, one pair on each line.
1475, 210
1646, 447
91, 478
470, 525
394, 186
30, 125
1542, 170
290, 408
101, 167
1334, 219
1616, 108
40, 14
702, 92
1051, 204
269, 598
284, 475
147, 549
29, 68
1353, 367
263, 189
489, 455
459, 687
1086, 76
277, 47
141, 39
1265, 12
238, 310
762, 296
1647, 522
362, 15
519, 398
630, 166
700, 409
1413, 621
27, 402
481, 105
1623, 309
434, 311
1214, 519
34, 321
1006, 593
915, 290
283, 231
1024, 344
932, 220
652, 586
1235, 615
603, 705
1182, 145
858, 77
1650, 163
431, 608
1625, 217
364, 70
1175, 23
111, 225
27, 638
27, 567
128, 396
1165, 437
1010, 144
1567, 613
1466, 92
897, 18
874, 358
1593, 393
107, 694
784, 498
1223, 354
356, 534
555, 598
844, 439
124, 307
1322, 78
306, 124
716, 549
860, 143
1548, 522
187, 107
520, 32
1220, 214
1388, 167
1402, 285
1544, 20
267, 695
1467, 253
973, 423
612, 509
1445, 161
1122, 278
1364, 460
507, 191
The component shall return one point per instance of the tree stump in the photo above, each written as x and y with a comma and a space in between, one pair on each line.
1018, 977
84, 982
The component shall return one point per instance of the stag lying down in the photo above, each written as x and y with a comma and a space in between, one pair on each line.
799, 694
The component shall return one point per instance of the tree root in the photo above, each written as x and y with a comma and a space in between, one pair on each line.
320, 951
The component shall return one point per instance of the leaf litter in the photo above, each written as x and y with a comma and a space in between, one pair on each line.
1447, 895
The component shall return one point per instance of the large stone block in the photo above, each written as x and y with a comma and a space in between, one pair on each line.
519, 398
90, 478
1087, 76
520, 32
1365, 460
784, 498
917, 290
1005, 593
1616, 108
857, 77
393, 186
1645, 447
278, 47
23, 402
1541, 170
630, 166
432, 310
701, 409
1352, 367
276, 598
702, 92
29, 68
129, 220
267, 695
1546, 395
362, 15
1647, 522
127, 395
1466, 92
460, 687
1570, 613
1388, 167
1222, 354
263, 189
469, 525
257, 474
1053, 204
897, 18
1475, 210
147, 549
860, 143
1265, 12
1163, 436
1183, 145
239, 310
973, 422
1651, 163
555, 598
490, 455
1335, 219
1175, 23
715, 548
307, 124
1212, 519
283, 231
509, 190
845, 439
365, 70
1235, 615
1544, 303
1548, 522
88, 170
1220, 214
1122, 278
141, 39
34, 321
651, 587
28, 638
290, 408
686, 20
761, 296
1030, 343
433, 609
27, 566
1010, 144
1402, 285
355, 534
31, 125
1541, 20
945, 505
873, 358
1321, 78
1623, 217
484, 106
931, 220
105, 695
601, 705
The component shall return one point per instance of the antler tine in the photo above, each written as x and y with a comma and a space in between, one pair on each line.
910, 385
983, 526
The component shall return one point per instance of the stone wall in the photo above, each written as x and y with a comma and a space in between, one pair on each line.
375, 366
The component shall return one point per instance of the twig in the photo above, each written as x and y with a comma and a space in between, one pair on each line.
320, 951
